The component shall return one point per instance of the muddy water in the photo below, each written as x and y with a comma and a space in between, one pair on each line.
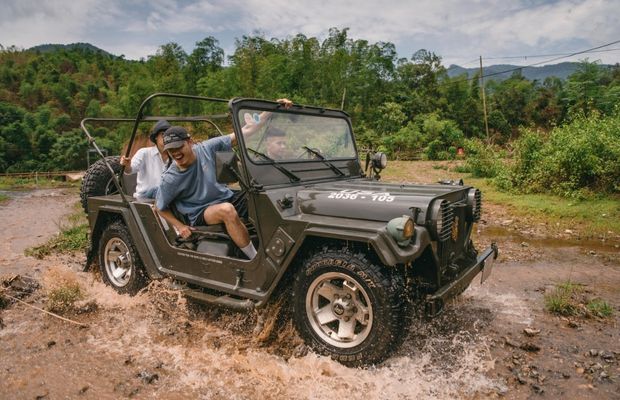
157, 344
198, 352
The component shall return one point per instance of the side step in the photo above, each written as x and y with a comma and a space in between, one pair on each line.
224, 300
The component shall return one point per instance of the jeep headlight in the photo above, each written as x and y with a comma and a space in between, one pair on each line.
474, 205
401, 229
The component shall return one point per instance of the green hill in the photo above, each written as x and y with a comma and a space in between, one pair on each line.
46, 48
502, 72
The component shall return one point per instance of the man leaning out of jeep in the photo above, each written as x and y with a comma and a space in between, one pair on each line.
191, 184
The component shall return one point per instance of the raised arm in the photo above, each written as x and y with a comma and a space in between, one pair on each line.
251, 128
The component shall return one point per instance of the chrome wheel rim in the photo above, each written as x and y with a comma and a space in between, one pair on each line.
117, 262
339, 310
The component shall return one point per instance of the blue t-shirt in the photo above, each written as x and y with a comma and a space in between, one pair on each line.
195, 188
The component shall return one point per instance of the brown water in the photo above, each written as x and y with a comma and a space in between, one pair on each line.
157, 345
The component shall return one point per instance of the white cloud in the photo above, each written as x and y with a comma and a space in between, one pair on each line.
453, 28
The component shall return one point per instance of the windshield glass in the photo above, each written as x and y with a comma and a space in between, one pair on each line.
285, 136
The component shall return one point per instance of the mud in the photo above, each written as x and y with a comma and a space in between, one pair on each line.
157, 344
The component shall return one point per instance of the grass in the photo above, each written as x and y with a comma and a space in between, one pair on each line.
11, 183
571, 299
61, 299
62, 289
595, 216
3, 198
73, 236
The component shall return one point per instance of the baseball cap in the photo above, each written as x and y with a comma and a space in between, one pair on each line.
174, 137
161, 125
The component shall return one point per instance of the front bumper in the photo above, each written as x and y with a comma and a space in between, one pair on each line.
434, 303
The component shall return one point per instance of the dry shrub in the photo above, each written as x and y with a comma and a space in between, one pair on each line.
62, 289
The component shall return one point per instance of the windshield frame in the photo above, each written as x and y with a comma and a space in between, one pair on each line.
309, 170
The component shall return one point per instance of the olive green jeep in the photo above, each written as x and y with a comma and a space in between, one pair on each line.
356, 255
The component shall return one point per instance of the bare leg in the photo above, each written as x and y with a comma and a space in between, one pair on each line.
226, 213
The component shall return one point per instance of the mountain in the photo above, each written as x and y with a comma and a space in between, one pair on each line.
47, 48
562, 71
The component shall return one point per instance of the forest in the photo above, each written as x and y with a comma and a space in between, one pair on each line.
558, 135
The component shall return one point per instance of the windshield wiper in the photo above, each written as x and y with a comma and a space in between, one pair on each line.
322, 158
291, 176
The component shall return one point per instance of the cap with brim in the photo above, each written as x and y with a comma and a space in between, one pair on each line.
160, 126
175, 137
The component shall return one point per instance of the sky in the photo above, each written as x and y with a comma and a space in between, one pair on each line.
457, 30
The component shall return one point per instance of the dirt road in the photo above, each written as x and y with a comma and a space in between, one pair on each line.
158, 345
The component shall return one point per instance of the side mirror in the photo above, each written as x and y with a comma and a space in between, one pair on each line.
226, 167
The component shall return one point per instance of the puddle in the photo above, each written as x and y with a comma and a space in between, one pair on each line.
503, 234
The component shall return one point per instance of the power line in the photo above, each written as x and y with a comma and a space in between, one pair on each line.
533, 64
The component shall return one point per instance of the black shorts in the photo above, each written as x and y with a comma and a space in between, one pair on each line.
238, 200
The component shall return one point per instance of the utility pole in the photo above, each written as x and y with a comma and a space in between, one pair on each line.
484, 101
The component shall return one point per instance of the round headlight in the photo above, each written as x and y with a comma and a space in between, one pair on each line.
379, 160
401, 229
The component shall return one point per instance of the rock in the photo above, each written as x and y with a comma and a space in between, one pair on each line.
85, 307
593, 353
537, 389
592, 252
531, 332
565, 375
568, 231
521, 379
51, 343
572, 324
607, 356
531, 347
510, 342
580, 370
603, 376
507, 222
147, 377
524, 244
84, 389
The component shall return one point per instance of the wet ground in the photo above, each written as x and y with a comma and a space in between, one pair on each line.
158, 345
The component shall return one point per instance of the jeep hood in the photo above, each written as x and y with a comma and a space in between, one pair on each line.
376, 201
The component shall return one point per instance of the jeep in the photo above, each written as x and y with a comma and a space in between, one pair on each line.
356, 256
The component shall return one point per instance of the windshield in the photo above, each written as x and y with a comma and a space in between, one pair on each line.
287, 137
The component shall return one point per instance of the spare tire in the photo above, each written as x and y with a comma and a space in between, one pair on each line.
98, 180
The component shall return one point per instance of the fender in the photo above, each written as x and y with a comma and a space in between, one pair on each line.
389, 252
136, 228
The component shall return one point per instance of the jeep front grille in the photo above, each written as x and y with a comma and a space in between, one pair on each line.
447, 220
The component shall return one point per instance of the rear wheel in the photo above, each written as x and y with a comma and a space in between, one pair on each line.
348, 307
119, 261
98, 180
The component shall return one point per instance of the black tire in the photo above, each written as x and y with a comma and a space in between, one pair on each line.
119, 261
98, 180
335, 292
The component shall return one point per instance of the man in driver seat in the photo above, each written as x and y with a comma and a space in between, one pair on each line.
191, 184
276, 143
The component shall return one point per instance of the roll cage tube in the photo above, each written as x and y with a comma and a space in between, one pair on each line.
139, 118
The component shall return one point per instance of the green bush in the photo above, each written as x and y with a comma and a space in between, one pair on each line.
483, 161
575, 160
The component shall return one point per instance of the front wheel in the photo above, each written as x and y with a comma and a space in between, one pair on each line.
348, 307
119, 261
